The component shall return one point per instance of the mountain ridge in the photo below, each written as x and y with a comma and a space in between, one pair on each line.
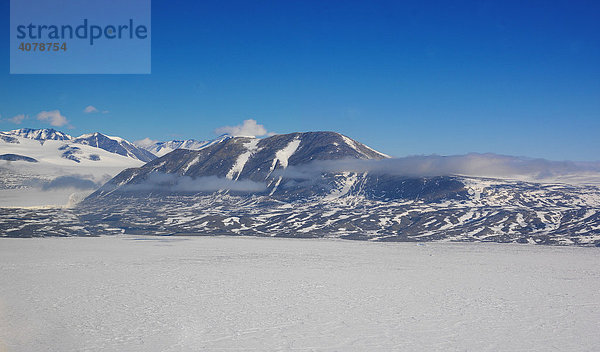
248, 158
111, 144
159, 148
297, 185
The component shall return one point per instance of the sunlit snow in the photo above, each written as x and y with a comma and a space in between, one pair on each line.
213, 293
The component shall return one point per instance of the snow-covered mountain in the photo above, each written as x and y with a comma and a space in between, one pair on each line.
39, 134
162, 148
51, 147
30, 160
115, 145
291, 186
248, 158
285, 186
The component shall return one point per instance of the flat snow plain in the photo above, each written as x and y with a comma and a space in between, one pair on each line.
224, 293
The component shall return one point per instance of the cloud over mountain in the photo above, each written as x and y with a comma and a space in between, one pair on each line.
146, 142
53, 117
249, 128
175, 183
482, 165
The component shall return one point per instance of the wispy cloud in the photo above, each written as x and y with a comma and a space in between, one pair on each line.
17, 119
249, 128
175, 183
482, 165
90, 109
70, 182
54, 117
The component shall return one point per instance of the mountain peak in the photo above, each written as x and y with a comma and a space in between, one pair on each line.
41, 134
249, 158
162, 148
115, 145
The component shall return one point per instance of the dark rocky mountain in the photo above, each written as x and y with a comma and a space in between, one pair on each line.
6, 137
167, 197
261, 161
271, 187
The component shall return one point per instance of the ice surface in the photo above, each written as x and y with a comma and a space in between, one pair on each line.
213, 293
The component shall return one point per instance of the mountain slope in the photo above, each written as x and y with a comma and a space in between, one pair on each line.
30, 160
39, 134
115, 145
65, 154
490, 211
246, 158
293, 186
170, 196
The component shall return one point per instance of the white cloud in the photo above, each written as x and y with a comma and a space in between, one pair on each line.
479, 165
53, 117
17, 119
90, 109
249, 128
176, 183
146, 142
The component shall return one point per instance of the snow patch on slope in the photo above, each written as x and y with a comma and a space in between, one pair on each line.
348, 181
375, 151
238, 166
282, 156
352, 144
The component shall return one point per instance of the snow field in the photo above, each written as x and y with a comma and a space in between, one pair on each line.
127, 293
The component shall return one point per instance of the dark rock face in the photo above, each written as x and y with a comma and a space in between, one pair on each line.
70, 153
16, 157
8, 139
219, 159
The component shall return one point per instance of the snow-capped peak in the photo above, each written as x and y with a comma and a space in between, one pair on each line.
162, 148
116, 145
40, 134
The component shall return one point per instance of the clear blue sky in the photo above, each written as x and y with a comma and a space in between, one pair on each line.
405, 77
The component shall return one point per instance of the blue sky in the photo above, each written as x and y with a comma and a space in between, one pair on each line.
405, 77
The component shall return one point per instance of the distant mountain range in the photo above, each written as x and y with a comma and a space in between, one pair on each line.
161, 148
110, 144
296, 185
33, 158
